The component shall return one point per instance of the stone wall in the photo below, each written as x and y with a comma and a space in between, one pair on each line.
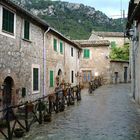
118, 67
17, 57
97, 63
57, 61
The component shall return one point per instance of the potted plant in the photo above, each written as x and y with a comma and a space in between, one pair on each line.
18, 132
47, 118
42, 106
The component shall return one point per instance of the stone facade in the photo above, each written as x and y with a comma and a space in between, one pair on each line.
117, 37
119, 72
133, 31
61, 63
98, 61
18, 56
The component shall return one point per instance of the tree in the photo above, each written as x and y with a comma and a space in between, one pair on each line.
120, 53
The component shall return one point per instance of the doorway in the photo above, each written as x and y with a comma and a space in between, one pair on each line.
116, 77
7, 91
125, 74
59, 80
87, 77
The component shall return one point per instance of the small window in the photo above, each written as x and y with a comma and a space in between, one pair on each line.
35, 79
71, 51
26, 29
55, 44
8, 21
113, 44
72, 76
51, 79
86, 53
61, 47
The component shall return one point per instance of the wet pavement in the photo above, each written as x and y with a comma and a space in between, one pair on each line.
108, 114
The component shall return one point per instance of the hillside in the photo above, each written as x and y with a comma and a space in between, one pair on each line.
73, 20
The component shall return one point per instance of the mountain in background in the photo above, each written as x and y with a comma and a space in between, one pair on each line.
73, 20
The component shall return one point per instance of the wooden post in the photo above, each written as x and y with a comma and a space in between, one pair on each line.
8, 123
40, 111
26, 117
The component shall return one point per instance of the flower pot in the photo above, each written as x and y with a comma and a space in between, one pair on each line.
18, 132
30, 107
47, 118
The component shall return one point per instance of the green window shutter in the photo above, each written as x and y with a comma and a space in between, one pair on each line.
55, 44
51, 79
8, 21
113, 44
86, 53
72, 76
26, 29
35, 79
61, 47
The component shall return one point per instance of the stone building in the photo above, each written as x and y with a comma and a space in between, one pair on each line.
119, 71
21, 54
115, 38
94, 60
32, 55
62, 59
133, 31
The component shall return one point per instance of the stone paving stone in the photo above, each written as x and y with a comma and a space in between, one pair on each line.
108, 114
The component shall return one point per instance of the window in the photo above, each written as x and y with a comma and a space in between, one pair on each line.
55, 44
26, 29
35, 79
71, 51
113, 44
51, 79
86, 53
8, 21
61, 47
72, 76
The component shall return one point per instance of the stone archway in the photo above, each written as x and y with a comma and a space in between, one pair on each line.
8, 85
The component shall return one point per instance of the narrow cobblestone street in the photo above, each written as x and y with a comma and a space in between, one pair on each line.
108, 114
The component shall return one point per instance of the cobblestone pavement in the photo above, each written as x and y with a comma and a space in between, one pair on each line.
108, 114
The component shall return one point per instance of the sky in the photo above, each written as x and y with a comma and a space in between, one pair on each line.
111, 8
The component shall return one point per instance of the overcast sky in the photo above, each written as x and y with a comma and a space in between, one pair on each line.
111, 8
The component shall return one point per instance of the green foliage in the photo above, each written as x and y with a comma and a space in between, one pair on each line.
120, 53
71, 21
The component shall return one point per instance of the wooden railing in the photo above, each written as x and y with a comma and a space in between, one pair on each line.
26, 114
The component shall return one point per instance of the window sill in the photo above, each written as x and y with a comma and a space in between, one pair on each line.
27, 40
35, 92
8, 32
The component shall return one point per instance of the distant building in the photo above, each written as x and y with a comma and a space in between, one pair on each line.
119, 71
94, 60
115, 38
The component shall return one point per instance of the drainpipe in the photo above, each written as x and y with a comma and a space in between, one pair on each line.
44, 62
133, 60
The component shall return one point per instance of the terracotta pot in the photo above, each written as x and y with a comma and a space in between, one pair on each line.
30, 107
